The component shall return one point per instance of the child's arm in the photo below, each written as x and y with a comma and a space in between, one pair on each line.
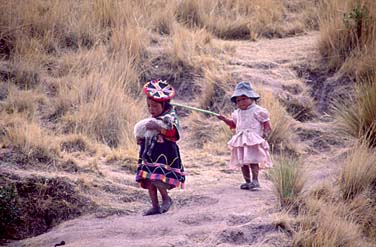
169, 133
267, 128
227, 121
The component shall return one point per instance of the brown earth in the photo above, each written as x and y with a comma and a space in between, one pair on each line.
212, 210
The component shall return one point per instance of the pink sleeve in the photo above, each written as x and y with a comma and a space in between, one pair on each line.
262, 115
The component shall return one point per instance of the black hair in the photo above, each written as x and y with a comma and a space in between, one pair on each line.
255, 99
167, 106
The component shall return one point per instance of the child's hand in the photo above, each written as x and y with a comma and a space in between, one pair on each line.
221, 117
229, 122
139, 141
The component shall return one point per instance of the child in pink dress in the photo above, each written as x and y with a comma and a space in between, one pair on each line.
248, 147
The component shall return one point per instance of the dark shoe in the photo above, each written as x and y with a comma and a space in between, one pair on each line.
152, 211
245, 186
166, 205
254, 185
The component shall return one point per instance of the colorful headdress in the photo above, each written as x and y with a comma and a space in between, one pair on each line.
159, 90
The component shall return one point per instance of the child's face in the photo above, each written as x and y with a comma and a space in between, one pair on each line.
155, 108
243, 102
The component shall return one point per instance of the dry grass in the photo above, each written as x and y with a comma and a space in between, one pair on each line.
74, 70
231, 19
298, 102
76, 143
348, 41
281, 137
214, 89
288, 179
101, 113
321, 224
32, 205
284, 221
363, 211
359, 173
28, 138
343, 216
199, 129
23, 102
96, 51
348, 35
357, 116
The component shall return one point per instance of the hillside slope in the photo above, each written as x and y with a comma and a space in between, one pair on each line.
212, 210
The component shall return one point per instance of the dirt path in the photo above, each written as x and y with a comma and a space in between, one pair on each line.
213, 211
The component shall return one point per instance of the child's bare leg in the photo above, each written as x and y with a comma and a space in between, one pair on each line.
164, 193
166, 200
247, 178
246, 173
255, 172
154, 199
153, 196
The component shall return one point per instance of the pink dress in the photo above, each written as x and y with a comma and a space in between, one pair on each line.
247, 146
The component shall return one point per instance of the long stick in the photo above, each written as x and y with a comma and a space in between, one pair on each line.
195, 109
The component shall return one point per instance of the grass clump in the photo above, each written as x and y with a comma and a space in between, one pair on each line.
322, 224
359, 173
30, 141
348, 35
343, 215
357, 117
75, 143
288, 180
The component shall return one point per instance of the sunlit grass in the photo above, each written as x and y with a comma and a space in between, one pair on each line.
288, 179
357, 115
348, 35
359, 173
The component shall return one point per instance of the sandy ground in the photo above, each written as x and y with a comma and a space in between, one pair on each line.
212, 210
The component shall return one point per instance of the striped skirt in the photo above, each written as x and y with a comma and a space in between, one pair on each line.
164, 165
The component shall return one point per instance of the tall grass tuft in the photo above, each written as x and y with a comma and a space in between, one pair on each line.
359, 173
247, 19
348, 35
288, 180
357, 117
322, 224
104, 111
363, 210
344, 216
29, 139
23, 102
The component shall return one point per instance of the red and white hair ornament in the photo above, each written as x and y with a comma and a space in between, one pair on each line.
159, 90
